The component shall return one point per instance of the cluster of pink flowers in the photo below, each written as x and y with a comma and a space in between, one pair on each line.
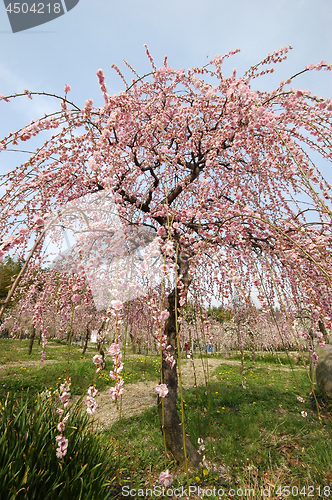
313, 355
13, 240
114, 351
90, 400
162, 390
161, 341
101, 78
165, 478
182, 290
211, 170
201, 448
169, 357
168, 248
62, 442
319, 66
159, 318
99, 362
162, 344
320, 338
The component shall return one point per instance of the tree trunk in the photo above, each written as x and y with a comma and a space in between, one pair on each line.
86, 340
133, 343
311, 363
322, 329
169, 418
100, 343
32, 338
240, 344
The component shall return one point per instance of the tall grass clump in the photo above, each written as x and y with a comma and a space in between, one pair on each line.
29, 468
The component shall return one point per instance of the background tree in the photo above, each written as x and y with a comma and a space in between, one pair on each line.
9, 269
222, 174
220, 314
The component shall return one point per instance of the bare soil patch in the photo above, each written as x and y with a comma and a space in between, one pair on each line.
139, 396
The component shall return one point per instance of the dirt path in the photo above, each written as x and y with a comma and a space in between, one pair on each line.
139, 396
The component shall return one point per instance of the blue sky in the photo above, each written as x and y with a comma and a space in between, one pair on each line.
97, 33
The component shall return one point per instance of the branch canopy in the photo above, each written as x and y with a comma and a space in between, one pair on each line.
221, 170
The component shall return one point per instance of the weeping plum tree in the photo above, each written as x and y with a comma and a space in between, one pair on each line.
223, 174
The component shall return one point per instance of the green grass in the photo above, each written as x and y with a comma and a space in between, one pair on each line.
38, 377
16, 351
271, 357
261, 428
257, 433
141, 368
276, 357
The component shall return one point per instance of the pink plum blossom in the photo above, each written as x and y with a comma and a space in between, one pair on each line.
117, 305
92, 391
97, 359
62, 446
201, 445
64, 398
117, 391
39, 221
114, 349
61, 426
165, 478
164, 315
91, 405
169, 359
162, 390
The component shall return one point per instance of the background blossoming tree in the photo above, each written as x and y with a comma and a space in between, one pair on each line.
222, 173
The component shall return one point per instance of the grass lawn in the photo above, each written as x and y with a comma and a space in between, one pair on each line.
16, 351
16, 374
255, 437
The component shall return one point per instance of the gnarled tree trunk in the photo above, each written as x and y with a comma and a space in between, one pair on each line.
169, 418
